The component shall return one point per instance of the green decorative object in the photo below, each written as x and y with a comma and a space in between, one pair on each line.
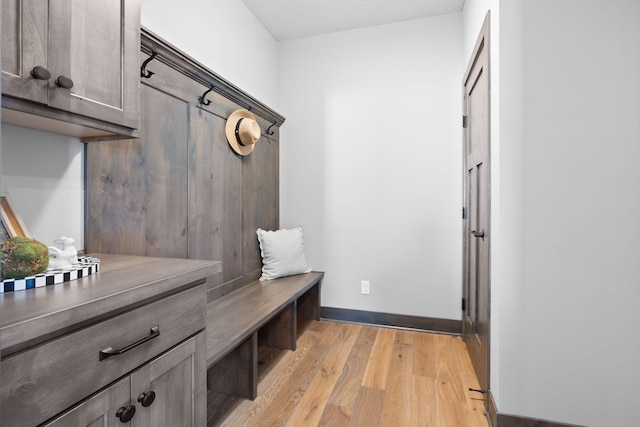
22, 256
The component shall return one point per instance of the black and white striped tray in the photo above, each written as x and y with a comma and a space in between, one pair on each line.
84, 267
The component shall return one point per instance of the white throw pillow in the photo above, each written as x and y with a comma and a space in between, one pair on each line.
282, 253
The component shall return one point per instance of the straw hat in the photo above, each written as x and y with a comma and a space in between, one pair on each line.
243, 131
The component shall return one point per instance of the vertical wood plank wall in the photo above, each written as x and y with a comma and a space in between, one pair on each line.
180, 190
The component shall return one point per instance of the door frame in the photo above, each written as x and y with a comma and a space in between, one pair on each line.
482, 42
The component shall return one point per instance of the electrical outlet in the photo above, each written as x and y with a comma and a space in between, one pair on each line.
364, 287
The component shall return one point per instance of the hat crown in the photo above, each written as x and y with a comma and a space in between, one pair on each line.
248, 131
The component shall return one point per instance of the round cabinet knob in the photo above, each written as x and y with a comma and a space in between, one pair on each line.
40, 73
126, 413
64, 82
146, 399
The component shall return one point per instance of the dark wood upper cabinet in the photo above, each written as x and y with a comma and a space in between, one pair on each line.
73, 56
24, 47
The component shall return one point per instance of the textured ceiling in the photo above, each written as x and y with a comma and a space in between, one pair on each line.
290, 19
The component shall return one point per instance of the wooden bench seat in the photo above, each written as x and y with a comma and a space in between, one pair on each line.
266, 313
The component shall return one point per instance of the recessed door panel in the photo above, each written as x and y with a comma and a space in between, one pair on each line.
477, 230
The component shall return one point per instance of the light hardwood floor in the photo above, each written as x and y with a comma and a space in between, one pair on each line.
355, 375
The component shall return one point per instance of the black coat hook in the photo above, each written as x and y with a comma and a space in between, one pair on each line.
269, 131
203, 98
143, 69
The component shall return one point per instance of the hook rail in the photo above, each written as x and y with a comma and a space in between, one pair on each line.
143, 69
203, 98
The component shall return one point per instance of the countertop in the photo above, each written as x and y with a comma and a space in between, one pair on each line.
124, 282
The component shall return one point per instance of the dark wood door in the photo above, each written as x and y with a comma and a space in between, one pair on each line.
179, 390
24, 47
96, 44
100, 410
477, 232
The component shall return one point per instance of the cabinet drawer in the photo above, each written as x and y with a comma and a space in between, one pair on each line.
42, 381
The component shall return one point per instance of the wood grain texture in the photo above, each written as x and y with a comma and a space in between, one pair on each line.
177, 381
375, 376
424, 401
123, 282
165, 172
206, 189
236, 373
38, 383
309, 409
98, 410
284, 399
397, 403
98, 73
235, 316
137, 189
269, 386
334, 416
368, 408
96, 44
280, 331
308, 307
345, 393
232, 216
24, 46
116, 198
260, 179
195, 197
321, 384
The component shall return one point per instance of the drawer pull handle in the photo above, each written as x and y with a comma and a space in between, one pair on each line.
126, 413
64, 82
146, 399
110, 351
40, 73
479, 235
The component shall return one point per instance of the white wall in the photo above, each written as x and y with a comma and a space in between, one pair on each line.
224, 36
42, 173
580, 260
567, 270
371, 162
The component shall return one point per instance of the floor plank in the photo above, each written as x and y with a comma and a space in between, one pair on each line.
356, 375
424, 402
348, 386
375, 375
334, 416
397, 397
309, 411
368, 408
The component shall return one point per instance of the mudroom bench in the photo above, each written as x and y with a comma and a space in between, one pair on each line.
268, 313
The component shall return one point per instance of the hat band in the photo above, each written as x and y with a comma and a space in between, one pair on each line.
238, 132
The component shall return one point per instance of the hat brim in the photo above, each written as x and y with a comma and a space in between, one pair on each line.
230, 131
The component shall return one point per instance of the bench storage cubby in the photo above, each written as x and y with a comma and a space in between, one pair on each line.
269, 313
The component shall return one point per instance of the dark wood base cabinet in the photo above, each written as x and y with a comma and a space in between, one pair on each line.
162, 392
123, 346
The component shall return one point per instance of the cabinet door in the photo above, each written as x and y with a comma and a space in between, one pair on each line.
100, 410
95, 44
178, 379
24, 46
